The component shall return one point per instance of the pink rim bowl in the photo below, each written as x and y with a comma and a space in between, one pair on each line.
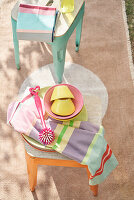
78, 102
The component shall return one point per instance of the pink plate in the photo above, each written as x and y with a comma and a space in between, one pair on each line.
78, 102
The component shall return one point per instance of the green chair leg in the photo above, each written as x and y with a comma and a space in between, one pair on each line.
59, 44
16, 43
78, 34
59, 52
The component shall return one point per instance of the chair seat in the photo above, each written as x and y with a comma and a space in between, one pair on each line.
64, 20
44, 154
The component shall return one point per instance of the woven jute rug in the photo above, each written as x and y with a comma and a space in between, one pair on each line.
104, 50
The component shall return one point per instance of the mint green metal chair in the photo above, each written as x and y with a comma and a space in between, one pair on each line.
63, 31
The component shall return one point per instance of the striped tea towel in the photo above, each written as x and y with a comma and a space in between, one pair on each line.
36, 23
85, 143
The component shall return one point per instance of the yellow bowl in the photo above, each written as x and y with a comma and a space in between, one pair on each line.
60, 92
78, 117
63, 107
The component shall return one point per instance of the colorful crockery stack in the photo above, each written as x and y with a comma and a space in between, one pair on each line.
61, 99
63, 102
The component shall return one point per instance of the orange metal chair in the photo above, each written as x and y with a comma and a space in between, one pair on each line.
50, 158
36, 153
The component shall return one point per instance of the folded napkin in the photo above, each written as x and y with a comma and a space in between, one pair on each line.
36, 23
79, 140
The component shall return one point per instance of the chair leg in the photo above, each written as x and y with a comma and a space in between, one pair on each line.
32, 171
78, 34
59, 44
59, 52
16, 43
93, 188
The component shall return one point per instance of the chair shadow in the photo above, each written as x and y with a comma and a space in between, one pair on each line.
12, 81
35, 195
64, 183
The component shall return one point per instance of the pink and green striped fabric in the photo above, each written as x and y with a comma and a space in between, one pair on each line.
36, 22
84, 142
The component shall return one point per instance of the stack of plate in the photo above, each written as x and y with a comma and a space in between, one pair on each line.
77, 101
